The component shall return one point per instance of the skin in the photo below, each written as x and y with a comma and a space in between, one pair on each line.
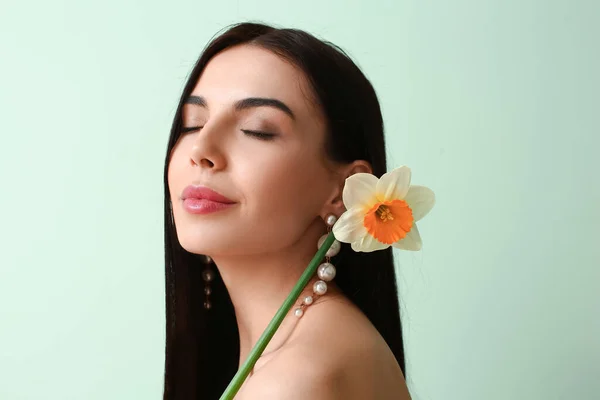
284, 188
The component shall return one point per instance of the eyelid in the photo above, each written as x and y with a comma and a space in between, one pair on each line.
260, 134
190, 129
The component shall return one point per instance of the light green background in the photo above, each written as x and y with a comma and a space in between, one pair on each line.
494, 105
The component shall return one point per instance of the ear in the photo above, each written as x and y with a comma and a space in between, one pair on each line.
335, 204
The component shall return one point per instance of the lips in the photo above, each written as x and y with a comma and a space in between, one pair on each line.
203, 192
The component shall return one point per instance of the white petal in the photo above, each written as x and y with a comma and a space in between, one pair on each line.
356, 246
368, 244
359, 190
421, 200
412, 240
350, 227
394, 184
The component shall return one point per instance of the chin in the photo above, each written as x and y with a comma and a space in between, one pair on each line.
195, 243
205, 243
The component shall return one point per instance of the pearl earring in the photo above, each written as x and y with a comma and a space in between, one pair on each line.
207, 275
326, 271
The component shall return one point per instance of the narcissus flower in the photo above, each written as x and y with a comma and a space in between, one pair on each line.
383, 212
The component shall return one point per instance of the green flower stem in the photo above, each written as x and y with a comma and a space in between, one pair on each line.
265, 338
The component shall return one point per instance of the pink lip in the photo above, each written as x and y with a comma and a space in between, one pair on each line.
202, 200
202, 192
203, 206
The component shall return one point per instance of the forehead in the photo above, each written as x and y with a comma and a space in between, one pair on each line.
250, 71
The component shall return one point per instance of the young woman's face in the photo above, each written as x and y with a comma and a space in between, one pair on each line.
279, 182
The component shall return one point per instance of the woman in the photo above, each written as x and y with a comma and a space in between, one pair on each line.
273, 121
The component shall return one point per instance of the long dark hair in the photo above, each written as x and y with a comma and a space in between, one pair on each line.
202, 348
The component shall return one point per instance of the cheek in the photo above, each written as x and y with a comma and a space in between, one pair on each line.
172, 175
291, 187
176, 166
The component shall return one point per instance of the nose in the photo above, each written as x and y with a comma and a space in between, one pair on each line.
207, 149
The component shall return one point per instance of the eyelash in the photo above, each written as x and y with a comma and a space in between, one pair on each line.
258, 134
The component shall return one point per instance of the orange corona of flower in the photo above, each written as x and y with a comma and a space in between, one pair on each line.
383, 212
389, 221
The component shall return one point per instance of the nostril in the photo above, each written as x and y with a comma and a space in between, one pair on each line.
207, 162
204, 162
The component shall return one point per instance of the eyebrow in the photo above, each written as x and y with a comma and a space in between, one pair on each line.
244, 104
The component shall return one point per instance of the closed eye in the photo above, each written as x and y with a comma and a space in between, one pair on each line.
191, 128
258, 134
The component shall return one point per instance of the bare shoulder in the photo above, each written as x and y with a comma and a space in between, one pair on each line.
334, 353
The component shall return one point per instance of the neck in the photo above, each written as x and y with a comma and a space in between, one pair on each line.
259, 284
